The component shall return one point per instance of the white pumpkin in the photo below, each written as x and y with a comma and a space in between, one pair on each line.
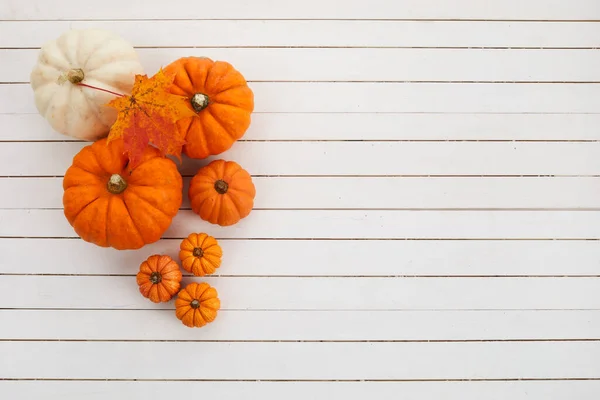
93, 57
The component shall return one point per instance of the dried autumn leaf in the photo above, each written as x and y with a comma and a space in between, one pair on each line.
149, 116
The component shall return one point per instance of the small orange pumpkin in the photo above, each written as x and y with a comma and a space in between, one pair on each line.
197, 304
222, 193
109, 204
221, 98
200, 254
159, 278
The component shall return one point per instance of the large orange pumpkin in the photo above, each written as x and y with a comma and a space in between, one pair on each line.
197, 304
222, 192
221, 98
112, 206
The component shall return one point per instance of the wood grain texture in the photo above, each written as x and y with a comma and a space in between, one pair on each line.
369, 126
345, 224
99, 390
325, 257
141, 325
310, 9
426, 219
351, 97
316, 33
415, 193
290, 293
344, 158
366, 65
327, 361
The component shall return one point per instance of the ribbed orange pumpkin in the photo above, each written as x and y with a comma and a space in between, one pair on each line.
159, 278
111, 206
221, 98
197, 304
222, 192
200, 254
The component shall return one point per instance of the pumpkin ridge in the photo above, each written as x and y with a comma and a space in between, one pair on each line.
241, 85
188, 84
95, 49
93, 107
106, 227
218, 98
137, 229
228, 134
208, 69
133, 193
84, 207
237, 132
233, 207
196, 86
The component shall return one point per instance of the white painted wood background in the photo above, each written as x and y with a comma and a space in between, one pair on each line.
426, 223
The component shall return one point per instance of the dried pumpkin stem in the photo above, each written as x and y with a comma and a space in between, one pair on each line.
199, 101
116, 184
221, 186
155, 277
195, 303
198, 252
75, 75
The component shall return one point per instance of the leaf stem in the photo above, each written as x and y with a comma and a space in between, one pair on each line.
102, 90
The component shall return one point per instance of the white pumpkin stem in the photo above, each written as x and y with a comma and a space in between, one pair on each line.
116, 184
199, 101
75, 75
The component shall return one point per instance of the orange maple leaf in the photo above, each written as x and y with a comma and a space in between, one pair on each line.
148, 115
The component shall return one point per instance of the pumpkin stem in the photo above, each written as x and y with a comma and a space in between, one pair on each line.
116, 184
155, 277
199, 101
198, 252
75, 75
195, 303
221, 186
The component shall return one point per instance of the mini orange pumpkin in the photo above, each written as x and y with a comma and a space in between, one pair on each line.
197, 304
200, 254
110, 205
221, 98
222, 193
159, 278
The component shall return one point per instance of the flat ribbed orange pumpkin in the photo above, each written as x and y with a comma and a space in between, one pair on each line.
159, 278
222, 192
221, 98
200, 254
111, 206
197, 304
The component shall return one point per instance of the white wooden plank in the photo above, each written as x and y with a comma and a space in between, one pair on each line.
309, 9
345, 224
289, 293
323, 361
369, 126
328, 257
136, 325
366, 193
324, 97
315, 33
348, 158
366, 65
449, 390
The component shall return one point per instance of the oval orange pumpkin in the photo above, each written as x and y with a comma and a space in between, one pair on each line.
159, 278
197, 304
200, 254
111, 206
221, 98
222, 192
